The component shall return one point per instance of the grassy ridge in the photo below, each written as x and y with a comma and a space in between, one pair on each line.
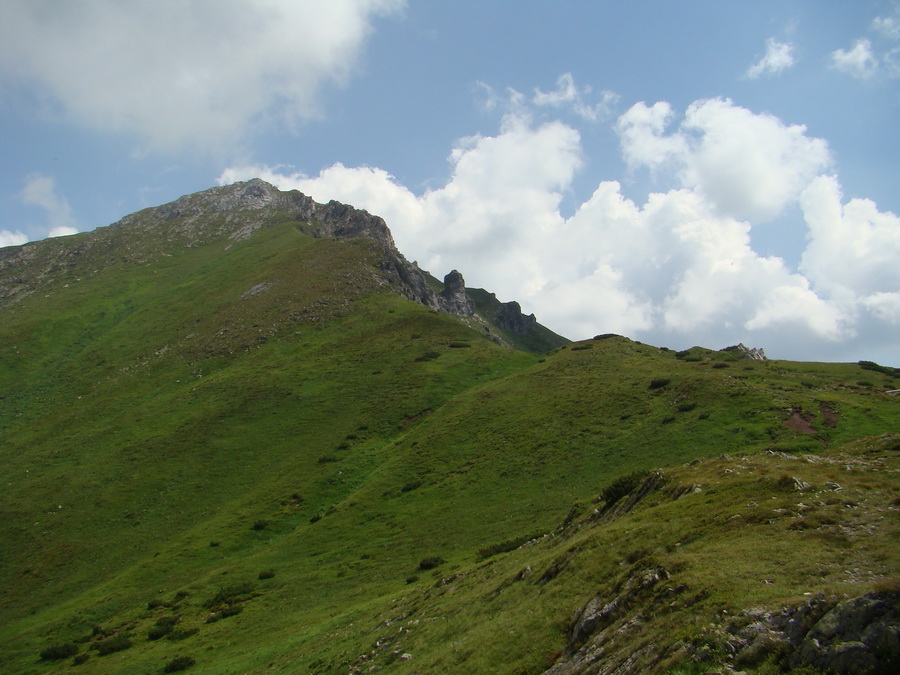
260, 441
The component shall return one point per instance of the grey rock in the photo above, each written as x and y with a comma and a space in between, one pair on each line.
453, 298
510, 318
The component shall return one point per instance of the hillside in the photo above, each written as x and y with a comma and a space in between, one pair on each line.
242, 429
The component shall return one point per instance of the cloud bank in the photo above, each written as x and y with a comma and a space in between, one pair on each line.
677, 268
183, 74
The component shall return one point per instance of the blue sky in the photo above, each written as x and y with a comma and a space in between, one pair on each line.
679, 172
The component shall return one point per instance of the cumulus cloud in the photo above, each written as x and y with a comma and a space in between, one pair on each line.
859, 61
676, 268
779, 56
180, 74
8, 238
40, 191
748, 165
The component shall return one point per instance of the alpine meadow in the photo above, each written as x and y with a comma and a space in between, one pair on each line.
242, 433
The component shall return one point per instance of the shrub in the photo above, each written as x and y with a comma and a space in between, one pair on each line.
81, 658
156, 602
430, 563
459, 345
586, 345
428, 356
113, 644
266, 574
622, 486
327, 459
156, 632
179, 663
260, 525
61, 651
411, 485
181, 634
720, 364
686, 407
231, 593
658, 383
502, 547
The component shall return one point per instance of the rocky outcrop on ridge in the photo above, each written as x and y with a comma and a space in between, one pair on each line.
453, 298
752, 353
510, 318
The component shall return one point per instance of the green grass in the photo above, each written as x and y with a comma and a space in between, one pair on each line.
157, 409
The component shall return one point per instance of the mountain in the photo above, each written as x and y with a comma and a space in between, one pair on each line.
242, 433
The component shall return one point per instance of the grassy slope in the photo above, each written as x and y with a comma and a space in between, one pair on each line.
146, 433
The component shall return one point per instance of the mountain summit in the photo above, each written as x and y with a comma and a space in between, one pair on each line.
233, 213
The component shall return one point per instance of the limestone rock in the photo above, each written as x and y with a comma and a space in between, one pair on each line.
453, 298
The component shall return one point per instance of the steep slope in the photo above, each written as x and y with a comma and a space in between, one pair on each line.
237, 428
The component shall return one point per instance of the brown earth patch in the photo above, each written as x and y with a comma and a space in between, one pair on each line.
829, 415
800, 421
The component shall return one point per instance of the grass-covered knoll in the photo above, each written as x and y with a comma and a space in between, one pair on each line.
252, 453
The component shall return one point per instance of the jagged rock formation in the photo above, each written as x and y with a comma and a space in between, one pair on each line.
752, 353
510, 318
453, 298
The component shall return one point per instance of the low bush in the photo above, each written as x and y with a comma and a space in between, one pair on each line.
686, 407
112, 645
266, 574
60, 651
157, 632
430, 563
179, 663
621, 487
231, 593
658, 383
260, 525
502, 547
411, 485
428, 356
181, 634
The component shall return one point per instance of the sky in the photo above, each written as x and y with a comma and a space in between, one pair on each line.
682, 173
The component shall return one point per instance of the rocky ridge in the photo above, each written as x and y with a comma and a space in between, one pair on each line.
232, 213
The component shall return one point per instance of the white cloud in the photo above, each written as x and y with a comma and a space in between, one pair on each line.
184, 74
40, 191
859, 61
749, 165
568, 95
888, 26
853, 248
677, 268
779, 56
8, 238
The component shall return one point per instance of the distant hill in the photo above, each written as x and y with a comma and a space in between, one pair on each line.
242, 433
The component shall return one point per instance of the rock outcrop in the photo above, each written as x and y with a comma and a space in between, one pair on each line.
510, 318
453, 298
752, 353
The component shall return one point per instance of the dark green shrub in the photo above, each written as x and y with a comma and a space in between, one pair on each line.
260, 525
181, 634
658, 383
157, 602
686, 407
428, 356
502, 547
231, 593
179, 663
411, 485
622, 486
720, 364
316, 518
112, 645
156, 632
266, 574
328, 459
411, 579
81, 658
459, 345
586, 345
61, 651
668, 419
430, 563
231, 610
